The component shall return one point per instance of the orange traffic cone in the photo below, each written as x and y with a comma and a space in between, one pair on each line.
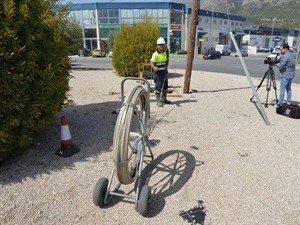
67, 148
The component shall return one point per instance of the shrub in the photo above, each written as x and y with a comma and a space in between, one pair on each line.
72, 34
134, 45
34, 70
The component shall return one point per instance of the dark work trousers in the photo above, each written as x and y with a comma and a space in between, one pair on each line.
160, 81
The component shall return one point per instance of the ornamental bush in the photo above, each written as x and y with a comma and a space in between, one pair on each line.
134, 45
34, 73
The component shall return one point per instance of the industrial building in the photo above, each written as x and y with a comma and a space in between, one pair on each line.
100, 17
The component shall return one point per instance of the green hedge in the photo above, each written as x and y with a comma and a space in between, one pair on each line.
134, 45
34, 70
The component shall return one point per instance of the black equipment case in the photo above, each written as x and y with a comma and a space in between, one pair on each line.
291, 111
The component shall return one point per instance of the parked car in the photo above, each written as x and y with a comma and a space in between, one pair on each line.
110, 54
212, 55
243, 53
84, 52
75, 52
226, 52
265, 50
98, 53
181, 52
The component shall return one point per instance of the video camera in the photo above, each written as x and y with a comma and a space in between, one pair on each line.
272, 60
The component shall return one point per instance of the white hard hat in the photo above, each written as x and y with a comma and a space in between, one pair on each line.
160, 41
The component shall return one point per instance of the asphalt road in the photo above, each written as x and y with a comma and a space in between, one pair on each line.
227, 64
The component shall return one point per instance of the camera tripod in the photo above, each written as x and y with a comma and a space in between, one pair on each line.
269, 74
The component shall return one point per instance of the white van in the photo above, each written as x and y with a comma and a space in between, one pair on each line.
224, 49
275, 52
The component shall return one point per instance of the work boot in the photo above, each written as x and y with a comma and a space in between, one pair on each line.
164, 98
158, 100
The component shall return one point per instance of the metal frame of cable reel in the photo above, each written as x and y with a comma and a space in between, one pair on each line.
129, 149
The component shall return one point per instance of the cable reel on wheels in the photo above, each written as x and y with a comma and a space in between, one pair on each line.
129, 148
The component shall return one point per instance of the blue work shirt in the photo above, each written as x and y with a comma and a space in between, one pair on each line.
287, 65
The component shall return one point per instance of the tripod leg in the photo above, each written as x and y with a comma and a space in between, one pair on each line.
259, 84
269, 84
274, 85
266, 104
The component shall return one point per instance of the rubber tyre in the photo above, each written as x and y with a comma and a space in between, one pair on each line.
100, 191
144, 200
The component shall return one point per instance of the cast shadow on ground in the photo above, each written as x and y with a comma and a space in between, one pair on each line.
174, 75
266, 105
167, 174
196, 215
78, 68
149, 76
218, 90
91, 127
178, 103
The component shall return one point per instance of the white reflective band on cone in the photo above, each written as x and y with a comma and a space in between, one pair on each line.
65, 133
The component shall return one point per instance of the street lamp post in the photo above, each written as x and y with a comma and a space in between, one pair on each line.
298, 39
210, 29
273, 20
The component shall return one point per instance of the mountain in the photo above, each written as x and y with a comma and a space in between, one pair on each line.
260, 12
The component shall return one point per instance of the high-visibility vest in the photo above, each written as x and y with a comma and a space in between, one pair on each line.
160, 61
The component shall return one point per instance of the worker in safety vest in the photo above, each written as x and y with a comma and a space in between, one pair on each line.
159, 63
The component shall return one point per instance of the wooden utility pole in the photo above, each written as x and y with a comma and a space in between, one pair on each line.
191, 47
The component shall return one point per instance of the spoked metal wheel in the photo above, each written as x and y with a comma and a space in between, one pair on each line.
130, 130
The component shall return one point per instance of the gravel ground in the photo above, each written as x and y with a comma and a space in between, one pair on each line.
216, 161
